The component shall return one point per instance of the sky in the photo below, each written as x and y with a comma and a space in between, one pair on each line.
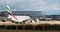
30, 5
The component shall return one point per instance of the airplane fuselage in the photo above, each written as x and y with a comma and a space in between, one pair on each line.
19, 18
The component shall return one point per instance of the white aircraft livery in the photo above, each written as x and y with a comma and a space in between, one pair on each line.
20, 18
16, 18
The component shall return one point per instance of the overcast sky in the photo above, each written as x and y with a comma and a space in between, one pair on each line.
30, 5
50, 6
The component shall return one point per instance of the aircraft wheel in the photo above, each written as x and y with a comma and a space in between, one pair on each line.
20, 22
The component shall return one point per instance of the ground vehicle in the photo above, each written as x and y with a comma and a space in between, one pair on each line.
3, 16
4, 19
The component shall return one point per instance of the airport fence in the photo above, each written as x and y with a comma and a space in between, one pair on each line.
30, 27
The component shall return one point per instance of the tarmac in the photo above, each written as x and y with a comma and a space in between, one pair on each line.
35, 23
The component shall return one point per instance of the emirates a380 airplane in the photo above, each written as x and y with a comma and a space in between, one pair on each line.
15, 18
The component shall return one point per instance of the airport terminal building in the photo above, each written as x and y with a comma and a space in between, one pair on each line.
32, 14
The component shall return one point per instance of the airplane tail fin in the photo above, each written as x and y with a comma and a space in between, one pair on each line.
9, 11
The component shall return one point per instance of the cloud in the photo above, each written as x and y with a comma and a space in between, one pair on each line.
30, 5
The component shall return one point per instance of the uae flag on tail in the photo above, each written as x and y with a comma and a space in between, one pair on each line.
9, 11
